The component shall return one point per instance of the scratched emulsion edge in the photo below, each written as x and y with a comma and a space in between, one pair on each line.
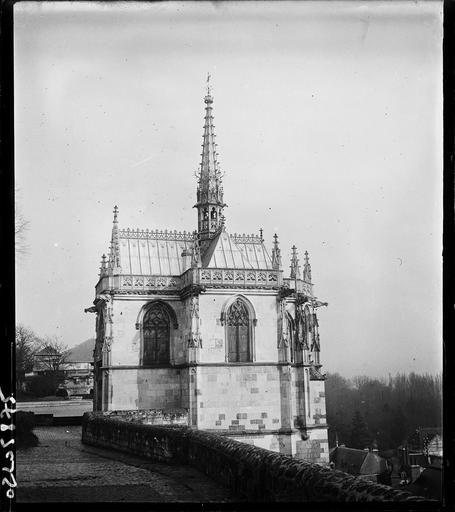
7, 291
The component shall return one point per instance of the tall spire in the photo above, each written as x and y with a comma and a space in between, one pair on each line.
114, 253
210, 202
295, 267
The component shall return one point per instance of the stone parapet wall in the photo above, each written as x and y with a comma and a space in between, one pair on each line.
249, 471
150, 416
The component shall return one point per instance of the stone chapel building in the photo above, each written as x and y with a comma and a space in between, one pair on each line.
210, 322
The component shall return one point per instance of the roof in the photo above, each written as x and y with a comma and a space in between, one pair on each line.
160, 252
357, 462
428, 484
373, 465
153, 252
237, 252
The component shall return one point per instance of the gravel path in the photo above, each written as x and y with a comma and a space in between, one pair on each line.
62, 469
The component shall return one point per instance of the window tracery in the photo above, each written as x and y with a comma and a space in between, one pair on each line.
156, 335
238, 327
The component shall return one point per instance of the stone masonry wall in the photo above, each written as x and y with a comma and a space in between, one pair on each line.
250, 472
239, 398
157, 388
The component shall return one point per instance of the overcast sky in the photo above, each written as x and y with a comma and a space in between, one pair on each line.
328, 117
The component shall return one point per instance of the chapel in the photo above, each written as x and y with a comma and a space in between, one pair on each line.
212, 323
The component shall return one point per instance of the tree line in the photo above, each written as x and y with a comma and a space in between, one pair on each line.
364, 412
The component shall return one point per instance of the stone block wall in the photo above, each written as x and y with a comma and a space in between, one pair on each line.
249, 471
157, 388
213, 332
126, 345
238, 398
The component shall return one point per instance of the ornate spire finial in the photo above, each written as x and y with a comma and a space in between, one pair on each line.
307, 269
260, 234
295, 267
114, 253
276, 254
208, 84
103, 266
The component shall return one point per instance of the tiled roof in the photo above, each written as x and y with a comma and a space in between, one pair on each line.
156, 253
160, 253
357, 462
236, 252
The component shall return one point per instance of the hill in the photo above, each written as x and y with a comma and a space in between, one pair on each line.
82, 352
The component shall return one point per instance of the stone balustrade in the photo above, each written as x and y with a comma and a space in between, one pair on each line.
251, 472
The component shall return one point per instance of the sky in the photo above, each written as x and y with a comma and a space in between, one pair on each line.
328, 118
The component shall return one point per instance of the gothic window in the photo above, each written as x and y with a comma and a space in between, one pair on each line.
213, 213
156, 335
238, 333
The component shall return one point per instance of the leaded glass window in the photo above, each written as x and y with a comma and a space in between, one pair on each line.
156, 335
238, 333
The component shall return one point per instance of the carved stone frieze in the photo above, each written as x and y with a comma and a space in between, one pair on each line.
142, 282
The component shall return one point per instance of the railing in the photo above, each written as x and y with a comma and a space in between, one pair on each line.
156, 234
128, 281
246, 239
230, 278
239, 278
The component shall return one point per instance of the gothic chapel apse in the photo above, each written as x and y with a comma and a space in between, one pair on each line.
210, 322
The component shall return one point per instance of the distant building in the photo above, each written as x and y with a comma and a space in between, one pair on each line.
211, 322
75, 368
363, 463
423, 450
79, 369
428, 483
46, 359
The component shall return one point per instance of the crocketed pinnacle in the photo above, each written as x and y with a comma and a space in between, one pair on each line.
295, 267
210, 202
276, 253
307, 269
114, 253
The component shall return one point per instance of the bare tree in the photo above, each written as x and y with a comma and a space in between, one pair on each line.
53, 354
52, 360
21, 225
27, 344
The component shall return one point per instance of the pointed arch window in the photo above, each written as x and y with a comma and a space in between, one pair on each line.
156, 335
239, 333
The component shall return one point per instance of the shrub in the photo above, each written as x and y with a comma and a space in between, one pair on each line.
25, 422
